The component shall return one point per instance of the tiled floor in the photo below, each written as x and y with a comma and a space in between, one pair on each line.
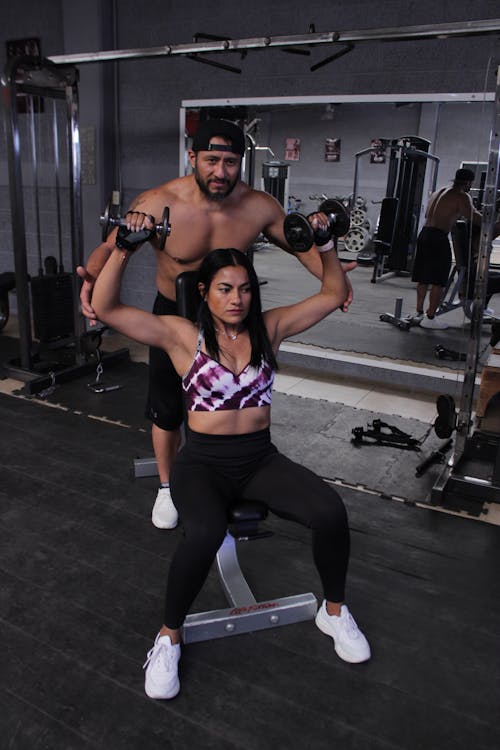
417, 406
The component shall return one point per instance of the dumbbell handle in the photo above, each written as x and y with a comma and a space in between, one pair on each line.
162, 228
120, 221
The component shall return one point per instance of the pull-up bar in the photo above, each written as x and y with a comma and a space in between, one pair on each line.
397, 34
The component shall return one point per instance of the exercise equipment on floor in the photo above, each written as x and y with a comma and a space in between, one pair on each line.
92, 344
436, 457
382, 433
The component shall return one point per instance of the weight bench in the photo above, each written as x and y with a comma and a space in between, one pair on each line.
245, 614
451, 299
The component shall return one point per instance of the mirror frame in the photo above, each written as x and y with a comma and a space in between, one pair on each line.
319, 99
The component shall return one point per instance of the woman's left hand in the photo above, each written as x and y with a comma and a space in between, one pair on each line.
346, 267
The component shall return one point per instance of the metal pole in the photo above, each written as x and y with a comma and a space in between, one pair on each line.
76, 210
398, 34
17, 216
250, 170
36, 187
490, 193
57, 183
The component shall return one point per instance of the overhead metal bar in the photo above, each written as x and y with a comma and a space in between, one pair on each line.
399, 34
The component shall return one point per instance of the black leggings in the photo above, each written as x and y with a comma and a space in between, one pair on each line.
211, 472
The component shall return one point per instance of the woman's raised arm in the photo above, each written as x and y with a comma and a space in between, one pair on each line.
140, 325
282, 322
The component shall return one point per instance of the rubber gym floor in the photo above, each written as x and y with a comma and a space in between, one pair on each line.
83, 571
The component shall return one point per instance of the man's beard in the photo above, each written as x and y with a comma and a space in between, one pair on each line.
218, 195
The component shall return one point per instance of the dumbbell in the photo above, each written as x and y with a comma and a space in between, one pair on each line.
108, 222
300, 234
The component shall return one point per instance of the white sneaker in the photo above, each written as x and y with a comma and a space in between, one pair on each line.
162, 679
164, 514
434, 323
415, 319
350, 643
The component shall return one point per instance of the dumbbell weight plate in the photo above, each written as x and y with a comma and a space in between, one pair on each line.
105, 223
298, 232
358, 217
163, 230
356, 239
341, 221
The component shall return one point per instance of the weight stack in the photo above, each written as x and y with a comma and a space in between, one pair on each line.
52, 301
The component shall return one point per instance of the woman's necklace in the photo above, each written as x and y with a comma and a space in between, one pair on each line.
232, 336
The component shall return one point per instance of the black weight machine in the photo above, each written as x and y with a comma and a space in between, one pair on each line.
472, 474
35, 90
395, 238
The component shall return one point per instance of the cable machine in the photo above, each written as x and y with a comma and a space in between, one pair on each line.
62, 351
473, 471
396, 236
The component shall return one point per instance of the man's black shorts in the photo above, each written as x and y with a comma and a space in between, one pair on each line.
433, 257
164, 406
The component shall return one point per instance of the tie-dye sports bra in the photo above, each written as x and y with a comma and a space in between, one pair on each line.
209, 386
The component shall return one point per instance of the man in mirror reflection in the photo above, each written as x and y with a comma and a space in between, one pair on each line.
433, 257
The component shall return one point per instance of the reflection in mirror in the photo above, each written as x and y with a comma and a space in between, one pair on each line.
315, 144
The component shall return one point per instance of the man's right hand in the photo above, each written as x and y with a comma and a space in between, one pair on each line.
88, 282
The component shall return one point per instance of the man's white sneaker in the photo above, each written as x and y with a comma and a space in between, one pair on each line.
164, 515
162, 679
434, 323
350, 643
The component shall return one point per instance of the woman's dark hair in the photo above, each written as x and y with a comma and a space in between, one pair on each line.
259, 340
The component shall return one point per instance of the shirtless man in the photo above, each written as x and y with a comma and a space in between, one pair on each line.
433, 257
210, 208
